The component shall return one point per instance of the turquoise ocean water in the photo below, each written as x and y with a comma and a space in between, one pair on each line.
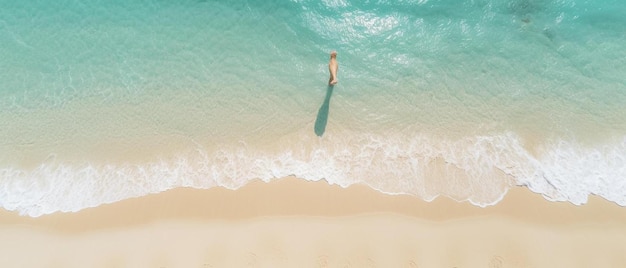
106, 100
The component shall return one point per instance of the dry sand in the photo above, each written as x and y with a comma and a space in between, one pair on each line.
293, 223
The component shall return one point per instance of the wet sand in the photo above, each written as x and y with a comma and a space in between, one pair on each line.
294, 223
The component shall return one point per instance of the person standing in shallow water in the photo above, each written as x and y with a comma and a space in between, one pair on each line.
332, 68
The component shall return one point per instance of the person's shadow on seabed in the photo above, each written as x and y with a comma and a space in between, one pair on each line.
322, 114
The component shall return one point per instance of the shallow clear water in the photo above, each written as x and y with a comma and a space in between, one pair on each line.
106, 100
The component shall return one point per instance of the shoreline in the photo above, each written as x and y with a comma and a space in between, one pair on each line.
295, 223
295, 197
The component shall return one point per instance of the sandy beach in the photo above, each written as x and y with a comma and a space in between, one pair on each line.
294, 223
196, 134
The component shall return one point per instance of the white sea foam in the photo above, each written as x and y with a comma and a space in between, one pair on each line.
567, 172
478, 169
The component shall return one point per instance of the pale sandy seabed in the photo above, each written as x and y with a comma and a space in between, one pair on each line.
294, 223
